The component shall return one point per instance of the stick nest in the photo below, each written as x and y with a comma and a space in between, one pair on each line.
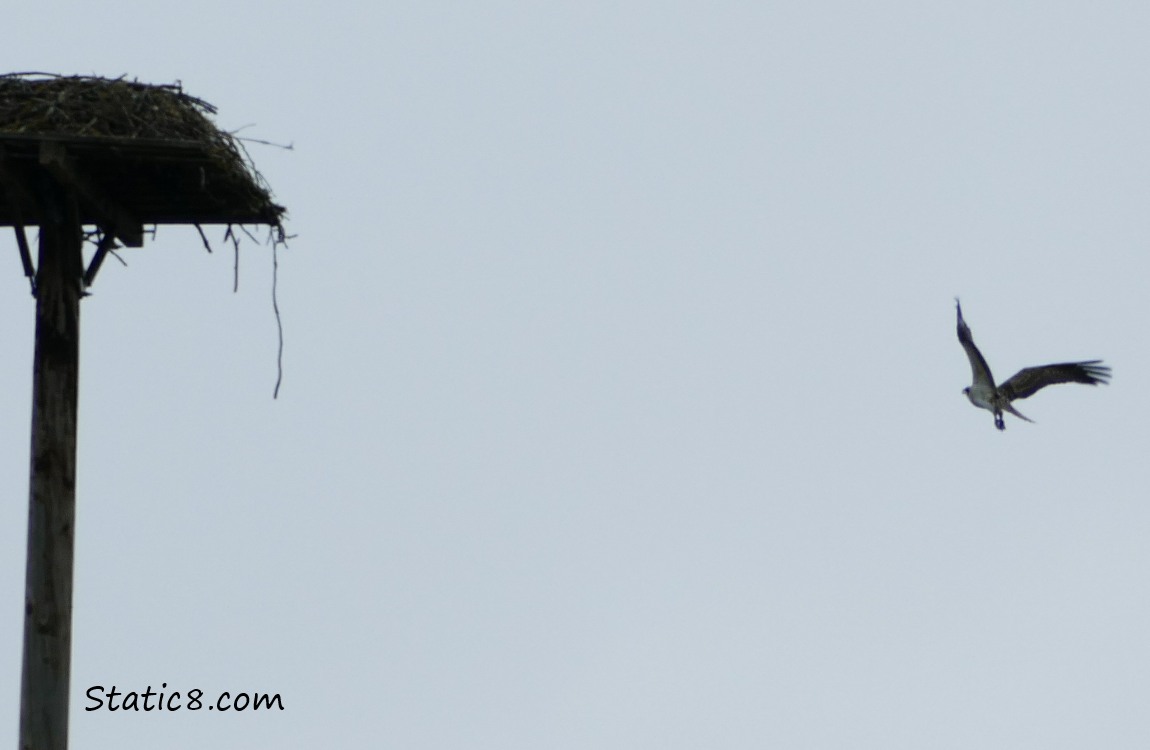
42, 104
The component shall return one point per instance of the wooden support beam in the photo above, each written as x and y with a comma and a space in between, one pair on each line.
23, 206
12, 183
54, 158
46, 674
107, 242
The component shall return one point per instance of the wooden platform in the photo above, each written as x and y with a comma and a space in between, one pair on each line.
124, 183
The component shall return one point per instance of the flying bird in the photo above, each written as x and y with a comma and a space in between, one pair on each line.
984, 394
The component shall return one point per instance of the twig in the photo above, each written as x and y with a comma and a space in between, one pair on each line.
236, 134
279, 322
231, 235
203, 238
285, 147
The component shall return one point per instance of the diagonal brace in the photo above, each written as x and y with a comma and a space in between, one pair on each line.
107, 242
25, 256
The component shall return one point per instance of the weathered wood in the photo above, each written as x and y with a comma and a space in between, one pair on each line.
55, 158
25, 255
107, 242
151, 147
14, 190
52, 496
134, 181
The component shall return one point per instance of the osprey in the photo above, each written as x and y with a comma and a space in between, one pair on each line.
984, 394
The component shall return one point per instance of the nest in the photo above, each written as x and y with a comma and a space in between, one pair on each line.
153, 149
33, 104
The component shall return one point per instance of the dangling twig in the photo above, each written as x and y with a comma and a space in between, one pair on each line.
231, 235
279, 322
204, 238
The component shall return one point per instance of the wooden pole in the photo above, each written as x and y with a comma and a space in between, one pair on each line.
46, 672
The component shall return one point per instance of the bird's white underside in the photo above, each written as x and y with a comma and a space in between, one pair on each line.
981, 396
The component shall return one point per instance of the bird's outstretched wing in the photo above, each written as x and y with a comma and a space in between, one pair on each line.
979, 370
1032, 379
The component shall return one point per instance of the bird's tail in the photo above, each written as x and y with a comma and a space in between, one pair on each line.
1017, 413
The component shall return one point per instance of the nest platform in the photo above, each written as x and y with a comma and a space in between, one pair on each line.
132, 153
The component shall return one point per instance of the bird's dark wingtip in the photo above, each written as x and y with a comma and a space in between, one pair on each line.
963, 330
1096, 372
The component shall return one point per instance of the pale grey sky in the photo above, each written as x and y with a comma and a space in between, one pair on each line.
622, 404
